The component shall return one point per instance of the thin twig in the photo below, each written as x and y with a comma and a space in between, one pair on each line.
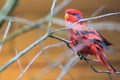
60, 38
94, 69
22, 30
17, 19
58, 21
53, 64
98, 17
19, 63
97, 11
6, 32
92, 59
51, 15
21, 53
110, 76
106, 26
61, 5
7, 8
39, 22
34, 58
68, 66
87, 19
71, 77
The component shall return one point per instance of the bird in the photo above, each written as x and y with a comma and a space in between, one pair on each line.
84, 40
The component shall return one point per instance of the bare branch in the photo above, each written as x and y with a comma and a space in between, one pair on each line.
61, 6
5, 34
37, 55
97, 11
48, 18
59, 38
53, 64
51, 15
7, 8
17, 19
19, 63
86, 19
21, 53
94, 69
105, 26
11, 61
58, 21
39, 22
62, 67
98, 17
68, 66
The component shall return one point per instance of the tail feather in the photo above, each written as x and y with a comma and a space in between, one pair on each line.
104, 61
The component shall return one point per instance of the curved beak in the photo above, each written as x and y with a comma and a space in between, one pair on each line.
66, 16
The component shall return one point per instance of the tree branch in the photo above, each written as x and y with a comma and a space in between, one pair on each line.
59, 38
28, 48
68, 66
23, 52
17, 19
39, 22
98, 71
97, 11
87, 19
51, 15
7, 9
6, 33
36, 56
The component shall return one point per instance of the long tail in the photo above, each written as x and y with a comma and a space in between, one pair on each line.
100, 55
105, 62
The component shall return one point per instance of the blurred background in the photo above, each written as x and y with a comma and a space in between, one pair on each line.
49, 64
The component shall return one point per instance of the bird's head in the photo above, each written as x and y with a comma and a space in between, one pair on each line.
73, 15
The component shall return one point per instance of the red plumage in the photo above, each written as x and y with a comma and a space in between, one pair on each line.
84, 40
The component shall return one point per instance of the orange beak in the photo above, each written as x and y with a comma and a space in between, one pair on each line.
66, 16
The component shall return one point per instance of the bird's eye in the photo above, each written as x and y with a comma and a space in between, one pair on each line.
77, 15
75, 43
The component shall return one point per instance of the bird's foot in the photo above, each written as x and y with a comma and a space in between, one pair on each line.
82, 56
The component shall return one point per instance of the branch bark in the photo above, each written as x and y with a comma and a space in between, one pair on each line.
7, 9
39, 22
23, 52
47, 34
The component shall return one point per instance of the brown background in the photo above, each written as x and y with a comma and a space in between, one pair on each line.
36, 9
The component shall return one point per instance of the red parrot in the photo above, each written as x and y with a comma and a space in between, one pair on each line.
86, 41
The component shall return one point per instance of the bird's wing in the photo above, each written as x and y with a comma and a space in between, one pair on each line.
106, 42
93, 36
